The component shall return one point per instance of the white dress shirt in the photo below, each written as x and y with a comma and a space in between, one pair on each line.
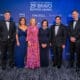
74, 24
56, 30
8, 24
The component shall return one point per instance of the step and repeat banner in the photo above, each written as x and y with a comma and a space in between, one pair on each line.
40, 9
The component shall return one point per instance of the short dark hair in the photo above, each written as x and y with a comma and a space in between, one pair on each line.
75, 10
58, 17
7, 11
44, 21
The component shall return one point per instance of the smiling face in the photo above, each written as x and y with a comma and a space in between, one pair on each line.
58, 20
45, 24
7, 16
22, 21
75, 15
33, 22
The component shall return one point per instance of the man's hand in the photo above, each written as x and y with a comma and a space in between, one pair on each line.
73, 39
63, 46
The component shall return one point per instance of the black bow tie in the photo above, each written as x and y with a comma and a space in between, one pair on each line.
57, 25
7, 21
75, 20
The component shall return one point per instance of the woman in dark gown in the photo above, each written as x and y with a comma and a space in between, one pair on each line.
44, 38
21, 44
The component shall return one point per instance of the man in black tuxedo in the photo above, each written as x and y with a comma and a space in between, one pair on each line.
58, 40
7, 40
74, 35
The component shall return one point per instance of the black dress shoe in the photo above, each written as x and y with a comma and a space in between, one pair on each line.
77, 69
54, 65
58, 67
3, 67
70, 66
11, 66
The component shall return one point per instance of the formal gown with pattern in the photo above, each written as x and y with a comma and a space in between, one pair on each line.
33, 56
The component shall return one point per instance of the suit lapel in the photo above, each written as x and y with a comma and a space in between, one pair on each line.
58, 30
5, 26
76, 25
9, 26
71, 25
54, 30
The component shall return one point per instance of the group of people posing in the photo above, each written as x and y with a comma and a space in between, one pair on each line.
28, 46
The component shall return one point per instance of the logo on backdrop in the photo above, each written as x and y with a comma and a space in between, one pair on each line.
41, 6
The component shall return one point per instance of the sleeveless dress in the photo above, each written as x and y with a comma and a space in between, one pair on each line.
20, 51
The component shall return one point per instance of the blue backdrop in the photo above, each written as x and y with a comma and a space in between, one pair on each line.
40, 9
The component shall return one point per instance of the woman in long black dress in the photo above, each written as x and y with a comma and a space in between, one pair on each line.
44, 37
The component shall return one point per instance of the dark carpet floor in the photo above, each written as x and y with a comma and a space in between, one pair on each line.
50, 73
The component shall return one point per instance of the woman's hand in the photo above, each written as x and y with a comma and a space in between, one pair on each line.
29, 44
44, 45
18, 43
63, 46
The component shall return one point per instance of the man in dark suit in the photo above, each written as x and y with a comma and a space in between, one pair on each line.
7, 40
58, 40
74, 35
